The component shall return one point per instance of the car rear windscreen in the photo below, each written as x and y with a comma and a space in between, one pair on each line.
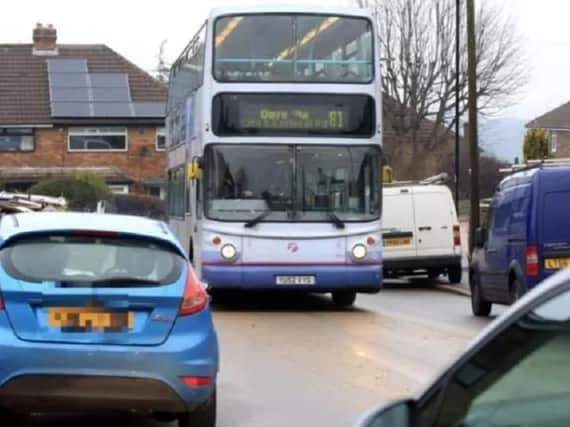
92, 261
555, 218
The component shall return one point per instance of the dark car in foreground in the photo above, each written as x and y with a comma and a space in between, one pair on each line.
516, 373
102, 313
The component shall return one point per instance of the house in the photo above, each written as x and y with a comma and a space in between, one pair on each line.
66, 108
557, 123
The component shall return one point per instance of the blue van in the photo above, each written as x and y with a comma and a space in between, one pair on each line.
525, 239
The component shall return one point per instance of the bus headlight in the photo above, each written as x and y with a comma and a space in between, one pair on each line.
228, 252
359, 252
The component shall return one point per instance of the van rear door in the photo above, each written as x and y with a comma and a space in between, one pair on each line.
398, 228
434, 217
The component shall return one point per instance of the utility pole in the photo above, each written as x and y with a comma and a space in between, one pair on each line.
457, 81
473, 124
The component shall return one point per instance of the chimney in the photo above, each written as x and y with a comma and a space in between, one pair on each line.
45, 40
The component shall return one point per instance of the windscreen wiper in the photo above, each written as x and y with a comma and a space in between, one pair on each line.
339, 223
254, 221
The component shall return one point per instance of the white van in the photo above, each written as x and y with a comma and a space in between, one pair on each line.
421, 232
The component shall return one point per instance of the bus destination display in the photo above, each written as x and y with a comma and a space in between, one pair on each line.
312, 117
293, 114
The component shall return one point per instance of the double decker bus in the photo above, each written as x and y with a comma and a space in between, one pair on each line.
275, 151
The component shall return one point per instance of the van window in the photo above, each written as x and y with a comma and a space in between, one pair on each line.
498, 223
555, 219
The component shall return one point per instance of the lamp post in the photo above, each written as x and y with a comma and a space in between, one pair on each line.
473, 126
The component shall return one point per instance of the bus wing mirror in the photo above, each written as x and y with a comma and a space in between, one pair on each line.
195, 169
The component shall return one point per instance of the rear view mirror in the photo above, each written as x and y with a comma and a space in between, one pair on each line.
480, 237
394, 414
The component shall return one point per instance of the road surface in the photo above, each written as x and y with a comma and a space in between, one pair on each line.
297, 361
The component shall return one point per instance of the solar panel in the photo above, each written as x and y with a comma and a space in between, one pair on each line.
70, 109
112, 109
116, 94
76, 93
68, 80
149, 109
109, 80
67, 65
69, 94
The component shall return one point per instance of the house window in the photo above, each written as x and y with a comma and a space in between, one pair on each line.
16, 139
554, 142
160, 139
119, 189
98, 139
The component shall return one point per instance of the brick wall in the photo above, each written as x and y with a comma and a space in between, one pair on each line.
141, 161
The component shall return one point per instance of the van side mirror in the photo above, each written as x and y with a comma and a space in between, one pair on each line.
394, 414
480, 237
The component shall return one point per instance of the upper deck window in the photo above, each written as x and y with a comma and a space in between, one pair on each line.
293, 48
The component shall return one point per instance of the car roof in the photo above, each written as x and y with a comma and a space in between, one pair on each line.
38, 222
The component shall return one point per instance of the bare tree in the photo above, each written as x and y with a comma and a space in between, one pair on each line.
417, 39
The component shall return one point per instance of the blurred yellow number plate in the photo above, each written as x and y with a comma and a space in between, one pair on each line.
557, 263
89, 318
397, 242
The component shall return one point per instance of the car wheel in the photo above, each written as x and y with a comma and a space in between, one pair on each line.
479, 306
344, 298
517, 290
204, 416
455, 274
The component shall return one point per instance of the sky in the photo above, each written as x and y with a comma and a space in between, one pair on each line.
136, 29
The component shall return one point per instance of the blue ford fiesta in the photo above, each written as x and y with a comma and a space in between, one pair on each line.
102, 313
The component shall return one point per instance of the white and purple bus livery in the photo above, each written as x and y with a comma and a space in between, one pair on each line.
275, 151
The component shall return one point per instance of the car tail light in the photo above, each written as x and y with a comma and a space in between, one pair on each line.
195, 297
456, 235
197, 381
532, 261
1, 302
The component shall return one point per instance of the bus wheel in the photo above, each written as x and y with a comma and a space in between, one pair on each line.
344, 298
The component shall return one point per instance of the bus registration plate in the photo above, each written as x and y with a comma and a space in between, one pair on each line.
295, 280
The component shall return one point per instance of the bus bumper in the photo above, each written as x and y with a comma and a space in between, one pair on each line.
359, 278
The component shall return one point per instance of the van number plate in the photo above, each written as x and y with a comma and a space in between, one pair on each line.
397, 242
557, 263
295, 280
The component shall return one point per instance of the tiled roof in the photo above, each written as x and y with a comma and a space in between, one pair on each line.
559, 118
24, 89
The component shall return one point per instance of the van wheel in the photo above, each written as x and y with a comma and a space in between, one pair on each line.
204, 416
479, 306
455, 274
516, 290
344, 299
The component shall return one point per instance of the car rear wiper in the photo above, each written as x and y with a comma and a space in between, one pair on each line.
339, 223
254, 221
117, 282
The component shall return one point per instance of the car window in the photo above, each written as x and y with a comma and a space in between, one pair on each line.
521, 378
87, 259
